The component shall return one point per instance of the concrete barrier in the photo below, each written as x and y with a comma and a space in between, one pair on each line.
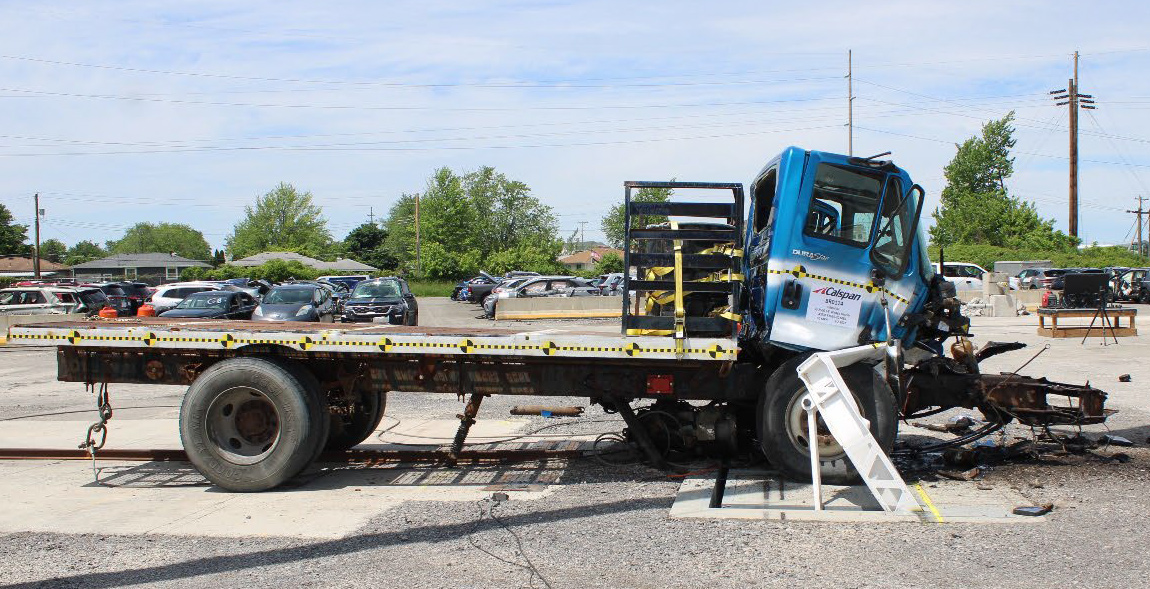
7, 321
559, 308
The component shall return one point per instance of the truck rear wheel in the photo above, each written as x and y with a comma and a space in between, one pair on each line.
250, 424
348, 431
783, 422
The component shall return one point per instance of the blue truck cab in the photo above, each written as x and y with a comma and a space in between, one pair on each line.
828, 238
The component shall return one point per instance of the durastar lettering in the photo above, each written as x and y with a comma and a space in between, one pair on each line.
831, 291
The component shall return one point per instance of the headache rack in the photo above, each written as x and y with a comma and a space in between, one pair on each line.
683, 263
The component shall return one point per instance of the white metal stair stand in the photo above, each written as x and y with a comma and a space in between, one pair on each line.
828, 395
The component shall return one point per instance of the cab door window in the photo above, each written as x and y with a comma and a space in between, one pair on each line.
844, 204
896, 228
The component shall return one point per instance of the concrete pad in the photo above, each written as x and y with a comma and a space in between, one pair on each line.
174, 499
752, 494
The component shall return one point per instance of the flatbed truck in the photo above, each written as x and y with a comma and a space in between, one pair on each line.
722, 304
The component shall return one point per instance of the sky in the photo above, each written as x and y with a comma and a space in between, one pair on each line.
130, 111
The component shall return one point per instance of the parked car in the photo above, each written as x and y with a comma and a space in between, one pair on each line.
462, 291
117, 298
168, 296
302, 301
381, 300
1126, 284
37, 300
1040, 277
137, 293
339, 291
478, 290
215, 304
539, 286
965, 276
347, 281
610, 284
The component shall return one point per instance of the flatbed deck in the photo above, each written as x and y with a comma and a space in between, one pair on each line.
184, 334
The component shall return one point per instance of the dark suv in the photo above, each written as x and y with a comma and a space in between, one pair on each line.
383, 300
117, 298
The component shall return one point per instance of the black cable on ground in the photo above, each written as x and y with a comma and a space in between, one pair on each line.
529, 567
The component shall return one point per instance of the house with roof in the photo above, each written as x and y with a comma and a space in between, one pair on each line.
21, 267
339, 266
586, 259
153, 268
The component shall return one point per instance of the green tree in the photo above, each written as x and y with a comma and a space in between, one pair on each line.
53, 250
218, 258
479, 220
12, 235
144, 238
976, 206
366, 244
84, 251
281, 220
613, 223
609, 263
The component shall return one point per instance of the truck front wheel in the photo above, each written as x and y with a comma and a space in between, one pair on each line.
783, 422
249, 424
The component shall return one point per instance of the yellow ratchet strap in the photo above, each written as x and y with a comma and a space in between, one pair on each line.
680, 311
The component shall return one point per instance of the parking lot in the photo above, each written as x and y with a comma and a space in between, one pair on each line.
571, 523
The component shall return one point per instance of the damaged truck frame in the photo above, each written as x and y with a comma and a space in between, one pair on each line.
721, 308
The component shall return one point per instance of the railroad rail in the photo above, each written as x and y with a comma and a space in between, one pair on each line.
358, 457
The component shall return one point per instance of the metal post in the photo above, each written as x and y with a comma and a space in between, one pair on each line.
36, 248
417, 261
1074, 150
813, 446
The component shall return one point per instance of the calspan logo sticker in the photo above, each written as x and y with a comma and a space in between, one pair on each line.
831, 291
812, 255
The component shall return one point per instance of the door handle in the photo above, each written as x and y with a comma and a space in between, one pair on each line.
792, 295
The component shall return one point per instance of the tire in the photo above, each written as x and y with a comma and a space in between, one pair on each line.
349, 432
783, 423
250, 424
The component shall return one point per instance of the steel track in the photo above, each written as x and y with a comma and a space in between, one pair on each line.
361, 457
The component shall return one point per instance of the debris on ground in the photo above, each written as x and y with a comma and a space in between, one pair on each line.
965, 475
1113, 440
1034, 510
1124, 378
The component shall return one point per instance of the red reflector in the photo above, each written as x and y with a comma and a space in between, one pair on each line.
660, 384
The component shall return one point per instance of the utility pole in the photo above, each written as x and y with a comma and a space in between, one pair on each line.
850, 106
417, 264
36, 248
371, 215
1075, 99
582, 234
1139, 213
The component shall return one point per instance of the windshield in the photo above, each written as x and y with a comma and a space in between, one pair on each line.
376, 290
204, 301
289, 296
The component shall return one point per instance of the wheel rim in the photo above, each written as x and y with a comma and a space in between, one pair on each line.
243, 424
796, 416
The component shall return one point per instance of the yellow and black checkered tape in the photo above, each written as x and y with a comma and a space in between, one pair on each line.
801, 272
386, 344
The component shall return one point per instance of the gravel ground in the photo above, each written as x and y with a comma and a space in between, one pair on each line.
608, 526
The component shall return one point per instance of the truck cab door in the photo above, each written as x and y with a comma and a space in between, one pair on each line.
840, 246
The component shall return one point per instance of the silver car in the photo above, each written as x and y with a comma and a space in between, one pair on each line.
42, 300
